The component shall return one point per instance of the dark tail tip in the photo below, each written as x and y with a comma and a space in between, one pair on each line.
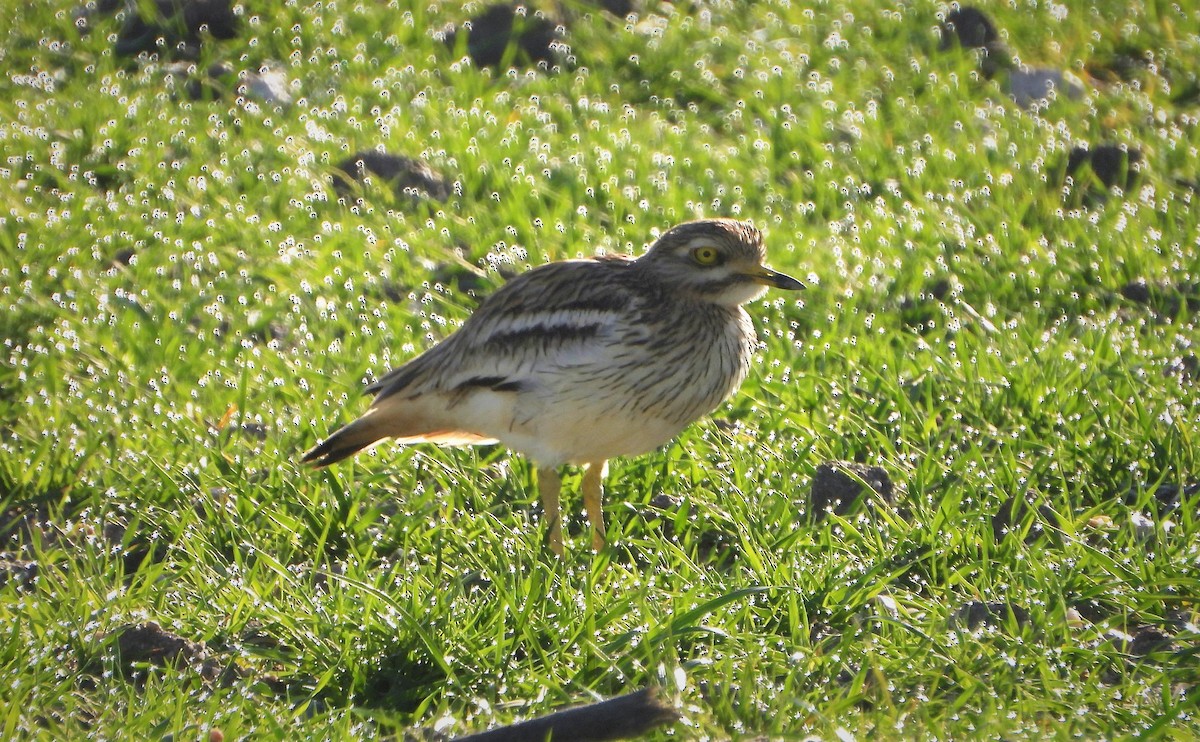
330, 451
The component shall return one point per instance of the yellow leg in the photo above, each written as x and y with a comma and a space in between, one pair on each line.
549, 486
593, 492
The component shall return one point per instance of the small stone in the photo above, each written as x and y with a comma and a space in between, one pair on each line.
1185, 620
1186, 367
1143, 527
1013, 513
255, 431
83, 14
888, 606
148, 643
1030, 86
491, 32
1149, 640
1113, 165
663, 501
407, 176
175, 26
1166, 498
976, 614
269, 85
838, 487
19, 573
463, 278
209, 84
1122, 65
1092, 610
1137, 291
619, 8
970, 28
713, 543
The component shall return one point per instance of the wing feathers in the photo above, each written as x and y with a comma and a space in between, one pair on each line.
543, 318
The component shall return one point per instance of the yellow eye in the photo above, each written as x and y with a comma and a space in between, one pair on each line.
706, 255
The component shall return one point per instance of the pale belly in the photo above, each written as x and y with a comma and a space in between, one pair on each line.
589, 434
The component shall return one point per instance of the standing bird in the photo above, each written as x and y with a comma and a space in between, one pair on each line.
578, 361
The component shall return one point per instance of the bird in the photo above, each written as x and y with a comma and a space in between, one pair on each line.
576, 362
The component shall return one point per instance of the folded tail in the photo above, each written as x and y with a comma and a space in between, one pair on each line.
373, 427
346, 442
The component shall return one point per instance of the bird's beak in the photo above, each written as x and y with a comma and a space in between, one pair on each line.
768, 277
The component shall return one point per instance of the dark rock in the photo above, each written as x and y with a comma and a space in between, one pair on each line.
1112, 165
84, 13
1179, 619
1168, 497
1013, 513
492, 32
1162, 298
124, 256
1186, 367
20, 573
134, 549
255, 634
712, 543
623, 717
210, 84
838, 487
938, 290
1137, 291
663, 501
619, 8
462, 277
1149, 640
148, 643
1094, 611
254, 431
407, 176
1124, 64
175, 26
976, 613
969, 28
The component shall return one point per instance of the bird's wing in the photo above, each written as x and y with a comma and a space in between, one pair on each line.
560, 314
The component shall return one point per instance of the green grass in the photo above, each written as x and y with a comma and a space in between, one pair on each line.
964, 328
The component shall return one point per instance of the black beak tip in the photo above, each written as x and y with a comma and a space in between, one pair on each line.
787, 283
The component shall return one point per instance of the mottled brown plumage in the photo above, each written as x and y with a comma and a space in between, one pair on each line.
583, 360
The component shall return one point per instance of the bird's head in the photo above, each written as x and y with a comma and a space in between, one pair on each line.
714, 260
